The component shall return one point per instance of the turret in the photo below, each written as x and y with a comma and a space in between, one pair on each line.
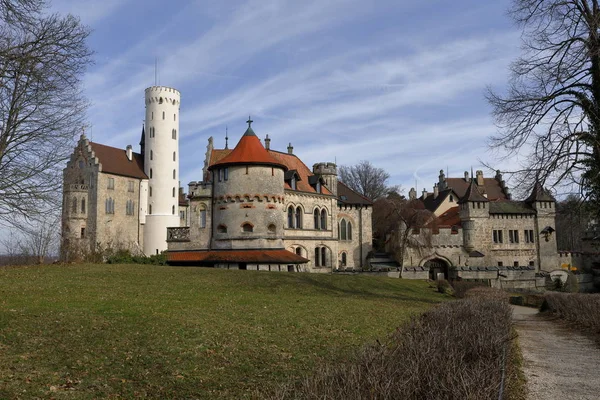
545, 225
328, 171
161, 165
248, 195
473, 205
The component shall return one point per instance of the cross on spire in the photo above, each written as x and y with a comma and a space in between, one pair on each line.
249, 122
226, 138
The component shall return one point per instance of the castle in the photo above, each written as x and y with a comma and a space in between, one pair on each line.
480, 232
254, 208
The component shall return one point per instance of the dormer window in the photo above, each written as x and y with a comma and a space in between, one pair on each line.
318, 187
293, 183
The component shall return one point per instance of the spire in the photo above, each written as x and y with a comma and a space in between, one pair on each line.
226, 138
143, 142
249, 131
539, 194
472, 193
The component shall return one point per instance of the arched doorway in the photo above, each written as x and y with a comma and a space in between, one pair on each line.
436, 266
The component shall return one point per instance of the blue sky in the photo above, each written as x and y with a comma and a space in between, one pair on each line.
399, 83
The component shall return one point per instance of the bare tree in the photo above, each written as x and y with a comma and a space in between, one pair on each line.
367, 180
42, 58
407, 223
551, 109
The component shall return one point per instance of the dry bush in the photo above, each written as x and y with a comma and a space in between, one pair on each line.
462, 287
454, 351
488, 293
580, 308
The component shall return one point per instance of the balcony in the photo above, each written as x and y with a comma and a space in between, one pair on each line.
178, 234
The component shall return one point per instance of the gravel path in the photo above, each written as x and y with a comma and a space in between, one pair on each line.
558, 363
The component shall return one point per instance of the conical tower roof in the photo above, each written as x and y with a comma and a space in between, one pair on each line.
249, 151
539, 194
143, 139
472, 194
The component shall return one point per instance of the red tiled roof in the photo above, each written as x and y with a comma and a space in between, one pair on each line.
449, 218
249, 150
291, 161
349, 196
115, 161
491, 187
280, 256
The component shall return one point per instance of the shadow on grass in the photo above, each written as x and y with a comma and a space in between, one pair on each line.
363, 289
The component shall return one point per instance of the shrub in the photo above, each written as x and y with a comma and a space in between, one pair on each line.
443, 286
451, 352
580, 308
461, 287
125, 257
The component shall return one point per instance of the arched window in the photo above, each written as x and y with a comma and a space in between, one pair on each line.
316, 218
202, 218
174, 134
173, 174
290, 217
343, 229
344, 259
349, 231
150, 191
150, 173
160, 101
222, 228
271, 228
74, 206
298, 218
174, 157
151, 155
323, 219
247, 227
83, 206
163, 115
173, 210
317, 257
173, 192
150, 209
299, 251
323, 257
174, 115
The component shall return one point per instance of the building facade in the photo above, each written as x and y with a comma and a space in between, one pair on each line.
257, 208
254, 208
480, 232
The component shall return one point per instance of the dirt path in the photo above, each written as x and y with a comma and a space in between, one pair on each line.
558, 363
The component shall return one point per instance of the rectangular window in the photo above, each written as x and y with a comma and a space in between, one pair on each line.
529, 236
226, 173
82, 233
531, 264
130, 186
516, 264
513, 236
497, 236
220, 175
111, 183
500, 263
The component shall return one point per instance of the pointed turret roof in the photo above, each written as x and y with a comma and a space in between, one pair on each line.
539, 194
249, 150
472, 194
143, 139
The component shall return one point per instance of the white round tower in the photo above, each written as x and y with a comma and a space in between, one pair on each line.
161, 164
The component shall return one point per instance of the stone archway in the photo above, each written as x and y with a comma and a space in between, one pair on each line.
437, 266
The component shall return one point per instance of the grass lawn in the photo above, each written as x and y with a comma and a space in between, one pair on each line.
126, 331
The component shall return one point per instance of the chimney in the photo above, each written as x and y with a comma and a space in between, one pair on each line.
479, 175
424, 194
290, 149
436, 191
467, 176
267, 143
129, 151
412, 194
